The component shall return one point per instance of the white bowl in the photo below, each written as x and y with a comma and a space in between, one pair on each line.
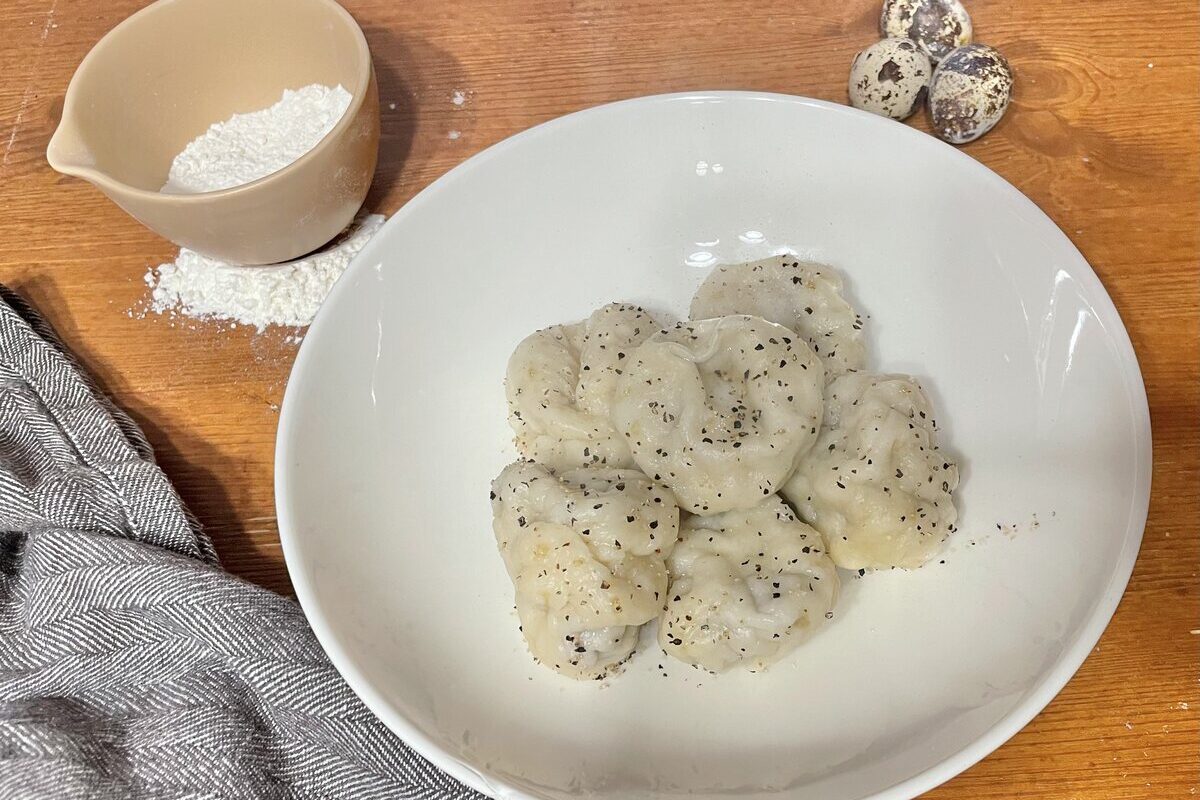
394, 424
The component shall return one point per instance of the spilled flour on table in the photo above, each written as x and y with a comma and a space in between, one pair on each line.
286, 294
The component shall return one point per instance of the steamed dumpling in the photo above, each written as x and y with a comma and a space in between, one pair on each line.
559, 385
746, 587
876, 485
585, 552
720, 410
805, 297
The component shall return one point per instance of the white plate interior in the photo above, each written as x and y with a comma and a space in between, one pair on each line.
394, 424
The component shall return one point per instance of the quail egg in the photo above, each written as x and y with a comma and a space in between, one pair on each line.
889, 78
938, 26
969, 93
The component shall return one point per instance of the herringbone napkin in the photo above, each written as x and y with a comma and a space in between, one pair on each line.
131, 665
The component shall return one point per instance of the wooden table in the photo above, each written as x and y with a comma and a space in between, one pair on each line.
1104, 135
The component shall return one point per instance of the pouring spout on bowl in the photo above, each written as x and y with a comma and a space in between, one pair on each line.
69, 154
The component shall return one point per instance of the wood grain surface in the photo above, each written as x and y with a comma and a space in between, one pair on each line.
1103, 134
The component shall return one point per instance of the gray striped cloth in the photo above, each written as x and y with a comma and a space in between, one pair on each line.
131, 665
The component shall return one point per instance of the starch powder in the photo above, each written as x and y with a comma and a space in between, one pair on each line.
250, 146
242, 149
282, 294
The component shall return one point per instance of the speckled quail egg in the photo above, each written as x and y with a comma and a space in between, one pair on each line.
937, 26
969, 93
889, 78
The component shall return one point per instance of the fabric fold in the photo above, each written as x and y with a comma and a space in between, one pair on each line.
131, 664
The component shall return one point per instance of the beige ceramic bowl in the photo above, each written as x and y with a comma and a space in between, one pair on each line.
161, 77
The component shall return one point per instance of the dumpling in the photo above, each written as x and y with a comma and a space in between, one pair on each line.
720, 410
746, 587
585, 552
805, 297
559, 384
876, 484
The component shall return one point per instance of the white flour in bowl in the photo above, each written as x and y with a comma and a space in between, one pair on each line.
250, 146
282, 294
244, 148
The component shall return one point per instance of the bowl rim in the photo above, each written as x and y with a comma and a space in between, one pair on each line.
1035, 700
107, 183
